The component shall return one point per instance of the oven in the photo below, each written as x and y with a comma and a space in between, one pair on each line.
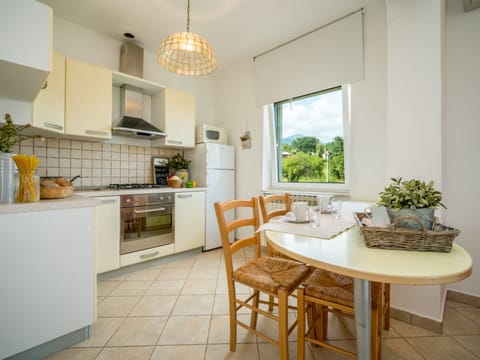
146, 221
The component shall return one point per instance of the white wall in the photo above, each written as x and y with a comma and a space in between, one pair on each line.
461, 134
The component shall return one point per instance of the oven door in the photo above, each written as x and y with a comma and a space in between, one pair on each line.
145, 227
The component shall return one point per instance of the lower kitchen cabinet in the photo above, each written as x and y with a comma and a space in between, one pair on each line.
107, 233
189, 220
47, 273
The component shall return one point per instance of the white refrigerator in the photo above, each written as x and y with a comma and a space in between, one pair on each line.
213, 167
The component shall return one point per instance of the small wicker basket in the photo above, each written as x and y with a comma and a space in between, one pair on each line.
47, 192
174, 183
392, 237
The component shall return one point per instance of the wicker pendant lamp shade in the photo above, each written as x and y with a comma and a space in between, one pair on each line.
187, 53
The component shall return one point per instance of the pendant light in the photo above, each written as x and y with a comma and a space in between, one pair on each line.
187, 53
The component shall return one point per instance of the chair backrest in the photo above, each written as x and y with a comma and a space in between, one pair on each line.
268, 211
249, 219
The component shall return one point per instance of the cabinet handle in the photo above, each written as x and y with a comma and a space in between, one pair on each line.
184, 196
97, 132
147, 211
149, 255
53, 126
110, 201
176, 142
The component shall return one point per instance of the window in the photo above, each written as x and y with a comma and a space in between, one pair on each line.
310, 140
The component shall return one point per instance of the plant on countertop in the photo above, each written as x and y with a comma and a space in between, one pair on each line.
178, 162
410, 194
9, 135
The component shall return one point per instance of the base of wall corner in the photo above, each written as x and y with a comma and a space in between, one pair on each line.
463, 298
413, 319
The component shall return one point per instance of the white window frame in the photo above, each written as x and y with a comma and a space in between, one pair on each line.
311, 187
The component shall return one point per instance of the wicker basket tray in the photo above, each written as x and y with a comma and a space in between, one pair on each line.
47, 192
174, 183
392, 237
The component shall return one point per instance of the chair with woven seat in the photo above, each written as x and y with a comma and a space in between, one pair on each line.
325, 292
272, 276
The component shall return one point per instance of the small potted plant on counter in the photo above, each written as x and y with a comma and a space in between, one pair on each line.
411, 198
178, 165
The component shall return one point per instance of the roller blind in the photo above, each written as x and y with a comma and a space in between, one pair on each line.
328, 57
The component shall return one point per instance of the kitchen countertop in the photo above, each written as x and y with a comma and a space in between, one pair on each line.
84, 198
113, 192
73, 201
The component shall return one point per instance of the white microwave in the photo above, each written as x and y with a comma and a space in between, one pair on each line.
210, 134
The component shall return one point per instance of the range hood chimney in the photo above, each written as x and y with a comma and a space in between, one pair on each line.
131, 121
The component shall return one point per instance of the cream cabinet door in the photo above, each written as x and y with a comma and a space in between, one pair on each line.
189, 220
49, 105
173, 111
107, 234
88, 100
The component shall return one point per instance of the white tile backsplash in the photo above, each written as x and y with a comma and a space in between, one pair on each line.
99, 164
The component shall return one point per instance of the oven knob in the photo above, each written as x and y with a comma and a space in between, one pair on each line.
128, 200
161, 198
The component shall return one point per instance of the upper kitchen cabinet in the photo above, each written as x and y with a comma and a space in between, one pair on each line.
49, 105
88, 100
173, 111
25, 48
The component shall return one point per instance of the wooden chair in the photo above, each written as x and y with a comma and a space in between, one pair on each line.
325, 292
272, 276
269, 213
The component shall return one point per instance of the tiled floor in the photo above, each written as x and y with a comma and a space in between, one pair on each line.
178, 310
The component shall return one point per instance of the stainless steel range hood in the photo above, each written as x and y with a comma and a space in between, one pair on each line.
131, 122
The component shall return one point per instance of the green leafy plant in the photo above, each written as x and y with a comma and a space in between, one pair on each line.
9, 134
178, 162
410, 194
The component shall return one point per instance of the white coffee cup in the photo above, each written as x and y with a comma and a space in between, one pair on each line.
300, 210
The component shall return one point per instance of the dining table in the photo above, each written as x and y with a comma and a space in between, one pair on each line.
344, 251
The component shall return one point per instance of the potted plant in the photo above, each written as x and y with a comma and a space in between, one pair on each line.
9, 137
411, 198
179, 166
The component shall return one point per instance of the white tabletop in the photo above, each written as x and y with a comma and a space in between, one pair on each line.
347, 254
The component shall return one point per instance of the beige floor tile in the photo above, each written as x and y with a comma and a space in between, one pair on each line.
320, 353
472, 313
270, 327
179, 352
105, 287
130, 353
76, 354
222, 352
103, 329
220, 334
440, 348
408, 330
268, 351
193, 305
185, 262
471, 342
131, 288
399, 349
154, 306
458, 323
203, 262
100, 299
185, 330
199, 286
174, 273
145, 274
223, 289
220, 306
203, 272
114, 306
166, 287
138, 331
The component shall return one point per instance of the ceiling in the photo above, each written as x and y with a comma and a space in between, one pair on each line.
236, 29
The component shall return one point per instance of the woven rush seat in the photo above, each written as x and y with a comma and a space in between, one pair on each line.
334, 287
269, 273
